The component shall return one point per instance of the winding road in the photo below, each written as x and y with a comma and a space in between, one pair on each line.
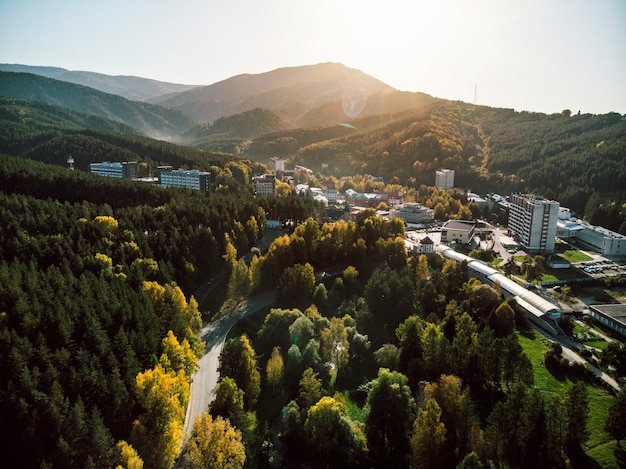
204, 380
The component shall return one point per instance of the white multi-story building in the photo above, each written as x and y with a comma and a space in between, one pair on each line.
188, 179
444, 178
412, 212
277, 163
264, 185
115, 169
532, 222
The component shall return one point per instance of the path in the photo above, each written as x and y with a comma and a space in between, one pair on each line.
204, 380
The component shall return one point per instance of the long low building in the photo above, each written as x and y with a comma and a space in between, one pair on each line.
612, 316
539, 310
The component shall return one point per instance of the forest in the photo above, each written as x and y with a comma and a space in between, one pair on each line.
97, 276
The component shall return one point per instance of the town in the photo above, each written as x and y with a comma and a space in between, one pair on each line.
534, 226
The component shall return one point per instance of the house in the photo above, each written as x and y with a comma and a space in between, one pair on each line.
424, 245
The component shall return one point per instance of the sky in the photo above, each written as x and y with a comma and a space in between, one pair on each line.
529, 55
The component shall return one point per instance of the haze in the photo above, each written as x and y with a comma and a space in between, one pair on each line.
531, 55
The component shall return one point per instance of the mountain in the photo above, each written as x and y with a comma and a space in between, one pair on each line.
153, 120
50, 134
129, 87
291, 92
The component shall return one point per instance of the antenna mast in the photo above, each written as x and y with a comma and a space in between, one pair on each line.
475, 88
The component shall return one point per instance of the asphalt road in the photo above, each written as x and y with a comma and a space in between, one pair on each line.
204, 380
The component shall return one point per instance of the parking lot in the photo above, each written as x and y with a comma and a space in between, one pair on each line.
601, 268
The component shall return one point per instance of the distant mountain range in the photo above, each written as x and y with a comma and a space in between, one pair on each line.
129, 87
154, 121
313, 95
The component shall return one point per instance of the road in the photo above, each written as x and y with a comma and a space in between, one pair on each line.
204, 380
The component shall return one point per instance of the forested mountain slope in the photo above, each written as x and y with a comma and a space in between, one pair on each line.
155, 121
51, 134
129, 87
578, 160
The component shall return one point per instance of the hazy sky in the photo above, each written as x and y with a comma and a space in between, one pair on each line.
537, 55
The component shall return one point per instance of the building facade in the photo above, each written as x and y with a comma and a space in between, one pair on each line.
264, 185
444, 178
612, 316
188, 179
460, 231
277, 163
413, 212
532, 222
115, 169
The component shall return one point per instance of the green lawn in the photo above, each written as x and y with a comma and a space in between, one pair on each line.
552, 275
576, 256
599, 446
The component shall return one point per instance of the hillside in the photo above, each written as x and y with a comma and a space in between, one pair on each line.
129, 87
155, 121
291, 91
238, 127
50, 134
578, 160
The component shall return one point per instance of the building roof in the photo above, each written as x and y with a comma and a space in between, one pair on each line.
459, 225
426, 240
617, 312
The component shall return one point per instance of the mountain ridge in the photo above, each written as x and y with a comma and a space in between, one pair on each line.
153, 120
299, 89
128, 86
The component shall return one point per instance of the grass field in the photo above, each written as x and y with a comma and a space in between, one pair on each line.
600, 445
576, 256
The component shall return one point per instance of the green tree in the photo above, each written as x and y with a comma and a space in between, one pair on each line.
390, 410
503, 320
238, 360
228, 403
311, 389
616, 417
214, 443
332, 436
335, 345
577, 409
296, 284
239, 281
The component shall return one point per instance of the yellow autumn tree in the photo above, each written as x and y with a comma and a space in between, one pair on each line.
178, 356
275, 368
156, 434
128, 457
214, 443
428, 437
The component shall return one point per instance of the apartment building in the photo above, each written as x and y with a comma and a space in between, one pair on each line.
264, 185
115, 169
532, 222
444, 178
188, 179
